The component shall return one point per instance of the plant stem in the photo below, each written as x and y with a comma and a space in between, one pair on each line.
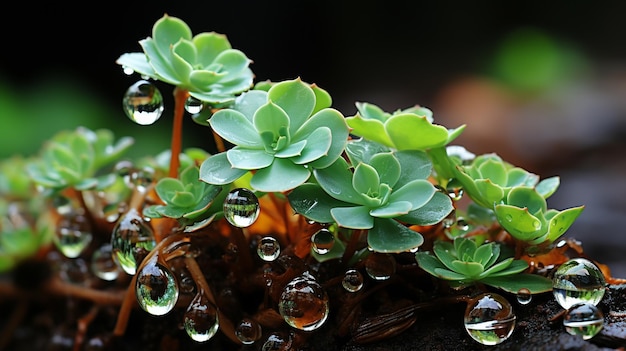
180, 97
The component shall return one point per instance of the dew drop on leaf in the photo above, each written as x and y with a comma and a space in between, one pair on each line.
102, 264
524, 296
143, 103
156, 288
193, 105
132, 239
584, 320
352, 280
322, 241
380, 266
304, 303
268, 248
489, 319
241, 207
248, 331
201, 319
72, 234
578, 281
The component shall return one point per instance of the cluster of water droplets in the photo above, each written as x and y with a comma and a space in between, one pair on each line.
489, 319
578, 286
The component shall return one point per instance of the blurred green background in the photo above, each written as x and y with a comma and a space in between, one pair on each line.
543, 84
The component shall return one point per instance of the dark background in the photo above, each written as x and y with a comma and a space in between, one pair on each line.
443, 55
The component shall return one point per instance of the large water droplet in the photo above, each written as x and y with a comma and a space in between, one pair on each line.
201, 320
380, 266
352, 280
103, 265
143, 103
132, 239
248, 331
193, 105
583, 319
578, 281
304, 303
72, 234
322, 241
489, 319
241, 207
268, 248
156, 288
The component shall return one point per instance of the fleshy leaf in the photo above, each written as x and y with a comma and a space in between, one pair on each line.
236, 128
357, 217
438, 208
387, 235
392, 209
559, 224
387, 167
413, 132
248, 158
370, 129
296, 98
365, 179
281, 175
336, 180
311, 201
417, 192
218, 170
535, 283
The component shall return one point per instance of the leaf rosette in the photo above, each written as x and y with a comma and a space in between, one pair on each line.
463, 262
279, 135
409, 129
206, 65
380, 195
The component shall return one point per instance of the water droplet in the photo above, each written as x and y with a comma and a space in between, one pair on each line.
583, 319
462, 224
131, 240
248, 331
143, 103
241, 207
380, 266
156, 288
304, 303
103, 265
127, 70
489, 319
277, 341
509, 218
74, 271
578, 281
322, 241
524, 296
455, 194
72, 234
352, 280
201, 320
268, 248
193, 105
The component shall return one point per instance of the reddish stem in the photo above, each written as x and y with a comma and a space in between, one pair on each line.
180, 97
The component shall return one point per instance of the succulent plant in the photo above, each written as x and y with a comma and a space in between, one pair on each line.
205, 65
280, 134
464, 262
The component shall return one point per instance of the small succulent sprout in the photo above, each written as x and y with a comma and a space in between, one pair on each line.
205, 65
278, 136
524, 214
463, 262
73, 158
488, 179
379, 196
409, 129
189, 200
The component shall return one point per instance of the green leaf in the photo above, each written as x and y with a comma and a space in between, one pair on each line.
209, 45
322, 99
234, 127
413, 132
365, 179
311, 201
168, 30
281, 175
336, 180
391, 210
518, 222
516, 266
559, 224
371, 111
536, 284
387, 235
167, 188
387, 166
494, 171
296, 98
333, 120
316, 146
362, 150
417, 192
292, 150
414, 164
218, 170
138, 62
243, 158
469, 269
370, 129
438, 208
548, 186
527, 197
271, 118
357, 217
488, 191
484, 254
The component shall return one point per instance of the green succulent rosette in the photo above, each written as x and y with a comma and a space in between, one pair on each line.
408, 129
382, 194
280, 135
205, 65
463, 262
